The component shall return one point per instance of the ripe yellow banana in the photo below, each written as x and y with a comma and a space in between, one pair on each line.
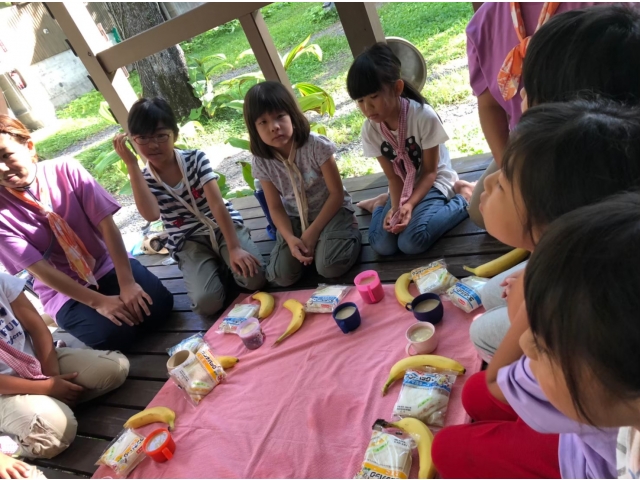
297, 310
267, 302
227, 362
500, 264
402, 289
423, 438
152, 415
436, 361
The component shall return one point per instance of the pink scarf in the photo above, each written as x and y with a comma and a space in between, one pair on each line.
24, 365
402, 165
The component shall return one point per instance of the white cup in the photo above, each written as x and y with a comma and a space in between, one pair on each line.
422, 338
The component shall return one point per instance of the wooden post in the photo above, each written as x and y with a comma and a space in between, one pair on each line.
86, 40
263, 47
476, 6
361, 25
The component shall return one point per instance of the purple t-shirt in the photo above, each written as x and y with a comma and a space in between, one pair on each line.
584, 451
25, 234
490, 37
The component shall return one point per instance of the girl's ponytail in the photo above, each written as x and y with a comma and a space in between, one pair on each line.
412, 93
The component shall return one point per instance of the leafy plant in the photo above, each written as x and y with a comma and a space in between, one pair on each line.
318, 14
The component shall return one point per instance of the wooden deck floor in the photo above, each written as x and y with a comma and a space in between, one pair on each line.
100, 420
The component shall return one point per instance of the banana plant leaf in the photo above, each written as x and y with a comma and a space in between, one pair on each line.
238, 143
105, 112
105, 160
247, 175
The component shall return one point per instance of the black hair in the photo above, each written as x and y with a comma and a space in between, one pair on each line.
563, 156
596, 49
271, 97
581, 292
374, 70
146, 114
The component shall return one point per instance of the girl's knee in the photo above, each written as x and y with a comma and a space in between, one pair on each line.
112, 372
413, 244
207, 304
385, 245
256, 282
51, 430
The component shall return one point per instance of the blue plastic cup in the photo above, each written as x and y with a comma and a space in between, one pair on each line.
347, 316
427, 308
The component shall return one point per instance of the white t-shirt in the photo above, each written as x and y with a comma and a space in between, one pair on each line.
628, 453
424, 131
10, 329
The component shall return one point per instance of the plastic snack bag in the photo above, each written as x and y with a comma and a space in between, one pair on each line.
196, 374
465, 294
387, 456
425, 395
326, 298
124, 453
192, 344
236, 316
434, 278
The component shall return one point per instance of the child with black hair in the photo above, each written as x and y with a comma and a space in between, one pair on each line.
298, 173
595, 50
560, 157
207, 236
425, 198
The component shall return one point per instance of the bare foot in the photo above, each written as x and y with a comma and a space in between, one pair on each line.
464, 188
371, 204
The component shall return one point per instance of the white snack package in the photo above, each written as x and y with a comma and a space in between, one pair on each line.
198, 374
238, 314
425, 395
465, 294
326, 298
387, 456
433, 278
124, 453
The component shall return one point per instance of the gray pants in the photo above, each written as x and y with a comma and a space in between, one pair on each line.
205, 269
474, 204
336, 252
488, 330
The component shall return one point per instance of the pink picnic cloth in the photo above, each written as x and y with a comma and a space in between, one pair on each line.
304, 408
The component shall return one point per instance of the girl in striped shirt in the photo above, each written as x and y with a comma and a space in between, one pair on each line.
207, 236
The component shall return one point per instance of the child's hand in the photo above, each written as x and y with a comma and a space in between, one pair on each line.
404, 217
112, 307
386, 224
136, 300
299, 251
310, 240
509, 281
123, 151
12, 468
243, 263
61, 388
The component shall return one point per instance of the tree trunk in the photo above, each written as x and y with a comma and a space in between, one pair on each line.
163, 74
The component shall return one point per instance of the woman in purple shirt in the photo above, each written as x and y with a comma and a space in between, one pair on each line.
105, 316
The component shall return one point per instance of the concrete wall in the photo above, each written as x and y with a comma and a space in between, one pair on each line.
63, 77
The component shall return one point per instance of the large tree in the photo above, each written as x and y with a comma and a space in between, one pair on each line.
163, 74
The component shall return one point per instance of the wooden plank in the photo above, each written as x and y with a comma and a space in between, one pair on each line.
185, 322
148, 367
101, 421
134, 394
170, 33
263, 47
78, 458
153, 342
54, 473
361, 25
181, 302
166, 271
151, 260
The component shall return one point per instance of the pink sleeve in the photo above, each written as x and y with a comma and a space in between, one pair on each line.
477, 79
16, 253
96, 202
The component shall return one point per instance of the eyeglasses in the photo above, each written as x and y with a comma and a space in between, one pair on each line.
144, 140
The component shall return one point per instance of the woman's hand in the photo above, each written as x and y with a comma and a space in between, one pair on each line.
61, 388
299, 250
404, 217
12, 468
123, 151
136, 300
112, 307
243, 263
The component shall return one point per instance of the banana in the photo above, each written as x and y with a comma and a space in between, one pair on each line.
402, 289
500, 264
423, 438
267, 302
297, 310
227, 362
436, 361
152, 415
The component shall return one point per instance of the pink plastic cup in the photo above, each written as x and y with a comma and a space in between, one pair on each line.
369, 286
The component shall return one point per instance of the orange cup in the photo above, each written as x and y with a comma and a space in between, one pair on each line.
159, 445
